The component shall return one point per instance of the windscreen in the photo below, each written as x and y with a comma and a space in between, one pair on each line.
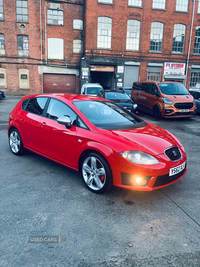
107, 115
116, 96
173, 89
93, 90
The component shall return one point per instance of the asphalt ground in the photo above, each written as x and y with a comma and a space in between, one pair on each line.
41, 199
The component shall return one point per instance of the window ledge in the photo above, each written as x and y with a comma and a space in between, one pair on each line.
179, 11
159, 9
177, 53
155, 52
22, 22
107, 4
135, 6
48, 24
25, 89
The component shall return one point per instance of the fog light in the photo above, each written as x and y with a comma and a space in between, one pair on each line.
141, 181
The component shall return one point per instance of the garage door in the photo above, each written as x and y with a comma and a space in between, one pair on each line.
59, 83
130, 75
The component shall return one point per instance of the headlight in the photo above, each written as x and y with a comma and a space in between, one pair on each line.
139, 157
167, 101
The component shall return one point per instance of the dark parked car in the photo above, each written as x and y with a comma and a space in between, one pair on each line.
2, 95
126, 90
119, 97
196, 94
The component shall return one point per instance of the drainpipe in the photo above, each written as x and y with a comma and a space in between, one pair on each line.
45, 34
188, 55
41, 44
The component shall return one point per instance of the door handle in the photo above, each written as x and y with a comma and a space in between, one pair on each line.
43, 123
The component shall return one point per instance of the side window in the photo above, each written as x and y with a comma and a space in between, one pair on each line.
137, 86
197, 96
144, 87
155, 90
57, 109
81, 124
35, 105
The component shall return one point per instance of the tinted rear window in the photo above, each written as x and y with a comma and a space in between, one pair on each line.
36, 105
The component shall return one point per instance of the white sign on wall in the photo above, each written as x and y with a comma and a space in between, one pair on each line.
174, 68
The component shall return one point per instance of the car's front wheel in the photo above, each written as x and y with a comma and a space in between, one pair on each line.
15, 142
96, 173
156, 112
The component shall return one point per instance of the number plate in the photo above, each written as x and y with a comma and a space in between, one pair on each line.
184, 110
177, 169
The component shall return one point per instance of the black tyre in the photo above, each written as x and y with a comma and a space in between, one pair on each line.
15, 142
156, 112
96, 173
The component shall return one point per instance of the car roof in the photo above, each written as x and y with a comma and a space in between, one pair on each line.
92, 84
69, 97
194, 90
114, 91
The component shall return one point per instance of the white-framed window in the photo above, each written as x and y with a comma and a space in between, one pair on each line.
77, 24
182, 5
77, 46
159, 4
104, 32
178, 38
105, 1
22, 10
2, 44
55, 16
198, 10
135, 3
22, 44
197, 41
156, 38
1, 9
133, 35
55, 48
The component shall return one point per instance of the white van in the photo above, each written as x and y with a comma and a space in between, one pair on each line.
91, 89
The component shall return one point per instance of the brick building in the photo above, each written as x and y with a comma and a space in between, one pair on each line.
129, 40
57, 45
41, 46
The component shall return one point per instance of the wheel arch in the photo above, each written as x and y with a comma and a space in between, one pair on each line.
87, 152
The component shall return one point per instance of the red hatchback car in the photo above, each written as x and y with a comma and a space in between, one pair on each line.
106, 143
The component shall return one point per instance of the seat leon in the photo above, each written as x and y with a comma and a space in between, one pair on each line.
106, 143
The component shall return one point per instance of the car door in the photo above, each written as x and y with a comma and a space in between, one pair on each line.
56, 141
153, 97
31, 123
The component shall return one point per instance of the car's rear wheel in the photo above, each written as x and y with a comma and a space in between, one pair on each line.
156, 112
15, 142
96, 173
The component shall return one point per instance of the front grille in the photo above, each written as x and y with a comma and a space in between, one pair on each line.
166, 179
183, 105
173, 153
183, 114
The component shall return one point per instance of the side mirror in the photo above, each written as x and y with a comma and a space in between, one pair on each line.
65, 120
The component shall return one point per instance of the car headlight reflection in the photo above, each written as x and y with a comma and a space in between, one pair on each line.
139, 157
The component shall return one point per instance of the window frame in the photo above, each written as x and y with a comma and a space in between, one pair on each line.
2, 49
24, 49
1, 10
133, 41
22, 14
176, 35
103, 27
106, 2
54, 48
154, 31
57, 15
135, 3
77, 46
180, 5
197, 37
156, 3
